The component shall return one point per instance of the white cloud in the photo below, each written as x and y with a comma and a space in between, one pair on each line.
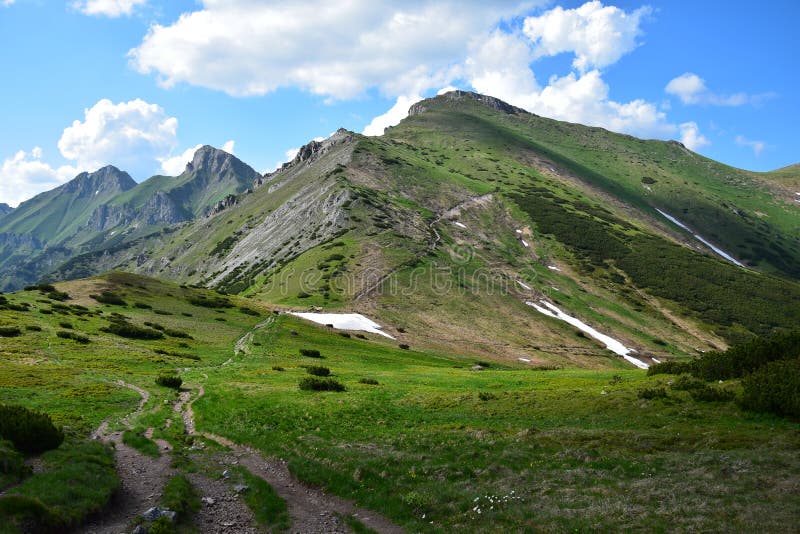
130, 135
756, 146
6, 3
396, 113
228, 146
598, 35
691, 136
691, 89
338, 50
107, 8
25, 175
175, 165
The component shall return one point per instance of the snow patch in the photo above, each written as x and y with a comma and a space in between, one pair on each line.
525, 243
655, 359
611, 344
524, 285
460, 225
700, 238
344, 321
519, 231
553, 268
524, 360
97, 192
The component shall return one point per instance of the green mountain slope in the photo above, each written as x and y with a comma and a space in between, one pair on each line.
420, 436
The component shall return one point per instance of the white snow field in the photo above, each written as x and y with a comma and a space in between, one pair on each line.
460, 225
523, 285
611, 344
700, 238
344, 321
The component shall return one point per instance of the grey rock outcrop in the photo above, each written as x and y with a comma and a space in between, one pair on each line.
452, 96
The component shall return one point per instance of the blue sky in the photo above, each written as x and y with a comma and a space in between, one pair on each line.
140, 83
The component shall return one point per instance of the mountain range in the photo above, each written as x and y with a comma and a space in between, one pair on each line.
458, 227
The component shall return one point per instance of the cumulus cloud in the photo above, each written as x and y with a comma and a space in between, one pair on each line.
107, 8
25, 175
500, 66
756, 146
396, 113
131, 135
691, 89
691, 136
598, 35
338, 50
6, 3
175, 165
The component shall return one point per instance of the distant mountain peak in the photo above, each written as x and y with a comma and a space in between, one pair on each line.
210, 159
458, 95
4, 208
108, 178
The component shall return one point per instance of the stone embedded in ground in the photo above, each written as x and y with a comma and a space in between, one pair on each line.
241, 488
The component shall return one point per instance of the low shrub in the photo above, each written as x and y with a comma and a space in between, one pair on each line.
318, 370
249, 311
162, 312
774, 388
33, 328
369, 381
344, 334
670, 368
29, 431
311, 353
65, 324
142, 306
486, 396
107, 297
687, 383
155, 326
404, 346
321, 384
58, 295
177, 333
74, 336
10, 331
210, 302
711, 394
169, 381
125, 329
652, 393
277, 368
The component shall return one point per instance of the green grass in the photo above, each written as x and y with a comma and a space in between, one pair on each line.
180, 496
143, 444
270, 511
424, 443
78, 480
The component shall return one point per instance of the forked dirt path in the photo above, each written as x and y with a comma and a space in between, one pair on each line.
143, 479
311, 509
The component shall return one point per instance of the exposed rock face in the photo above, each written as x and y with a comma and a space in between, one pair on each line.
314, 150
490, 101
227, 202
219, 165
5, 208
108, 179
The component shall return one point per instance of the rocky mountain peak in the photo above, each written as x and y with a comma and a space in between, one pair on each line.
4, 208
458, 95
313, 150
107, 179
210, 159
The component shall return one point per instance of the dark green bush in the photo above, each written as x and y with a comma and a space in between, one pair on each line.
10, 331
687, 383
210, 302
74, 336
155, 326
368, 381
28, 514
33, 328
29, 431
318, 370
321, 384
58, 295
652, 393
123, 328
670, 368
311, 353
107, 297
486, 396
277, 368
169, 381
249, 311
774, 388
65, 324
177, 333
711, 394
142, 306
404, 346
